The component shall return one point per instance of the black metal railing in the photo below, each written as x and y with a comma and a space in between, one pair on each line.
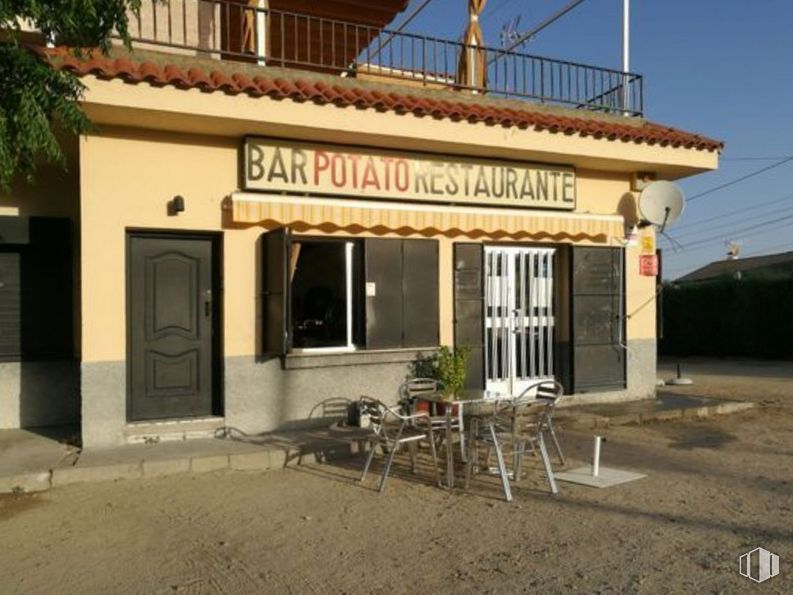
243, 31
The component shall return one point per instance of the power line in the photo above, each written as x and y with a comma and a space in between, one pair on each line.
736, 212
742, 178
788, 244
731, 223
742, 231
755, 158
547, 22
412, 15
393, 33
748, 231
492, 12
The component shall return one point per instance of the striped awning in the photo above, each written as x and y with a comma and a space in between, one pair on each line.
379, 217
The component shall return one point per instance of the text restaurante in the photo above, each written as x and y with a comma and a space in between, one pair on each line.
301, 170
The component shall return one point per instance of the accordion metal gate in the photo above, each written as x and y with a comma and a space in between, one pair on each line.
519, 317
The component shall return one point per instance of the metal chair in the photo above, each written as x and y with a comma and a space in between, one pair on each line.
391, 429
516, 423
324, 413
410, 393
551, 392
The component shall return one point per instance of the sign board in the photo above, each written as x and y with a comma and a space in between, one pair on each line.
648, 265
302, 168
648, 244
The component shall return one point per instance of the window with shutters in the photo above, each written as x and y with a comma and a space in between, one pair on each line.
339, 294
324, 288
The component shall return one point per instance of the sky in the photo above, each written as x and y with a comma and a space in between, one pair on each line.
716, 67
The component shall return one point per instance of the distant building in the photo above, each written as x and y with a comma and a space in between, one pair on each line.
770, 266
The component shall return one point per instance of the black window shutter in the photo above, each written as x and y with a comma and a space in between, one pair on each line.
384, 298
597, 324
469, 309
14, 230
10, 304
275, 294
420, 293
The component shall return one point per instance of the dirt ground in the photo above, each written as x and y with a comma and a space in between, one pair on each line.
715, 489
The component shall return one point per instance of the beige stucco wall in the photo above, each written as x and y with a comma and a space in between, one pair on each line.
54, 192
127, 178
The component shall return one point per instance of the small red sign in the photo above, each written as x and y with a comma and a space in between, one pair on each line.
648, 265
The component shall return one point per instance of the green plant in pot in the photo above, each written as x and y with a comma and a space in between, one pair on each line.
450, 366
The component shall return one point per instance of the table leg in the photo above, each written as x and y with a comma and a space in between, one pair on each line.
449, 448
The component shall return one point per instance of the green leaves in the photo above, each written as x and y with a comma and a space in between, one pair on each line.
76, 23
451, 367
35, 98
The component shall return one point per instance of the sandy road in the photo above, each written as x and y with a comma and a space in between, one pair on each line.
715, 489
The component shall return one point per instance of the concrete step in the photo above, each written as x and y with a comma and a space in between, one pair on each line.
172, 431
258, 453
666, 407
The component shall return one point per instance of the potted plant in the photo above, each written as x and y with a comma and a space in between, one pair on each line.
450, 368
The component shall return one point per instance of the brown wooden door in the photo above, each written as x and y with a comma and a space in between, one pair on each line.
171, 322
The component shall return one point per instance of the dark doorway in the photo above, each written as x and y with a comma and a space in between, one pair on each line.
37, 319
173, 315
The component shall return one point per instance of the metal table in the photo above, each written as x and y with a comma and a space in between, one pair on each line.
466, 397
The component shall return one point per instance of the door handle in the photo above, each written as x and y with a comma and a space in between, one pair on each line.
208, 303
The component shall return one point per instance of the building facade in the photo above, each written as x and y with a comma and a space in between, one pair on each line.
247, 235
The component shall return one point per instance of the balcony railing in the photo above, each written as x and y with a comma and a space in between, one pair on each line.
245, 31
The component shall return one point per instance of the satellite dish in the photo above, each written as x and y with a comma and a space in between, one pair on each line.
661, 203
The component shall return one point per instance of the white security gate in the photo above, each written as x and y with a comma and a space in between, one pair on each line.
519, 317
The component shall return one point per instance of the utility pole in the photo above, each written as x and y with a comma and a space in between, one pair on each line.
626, 55
626, 36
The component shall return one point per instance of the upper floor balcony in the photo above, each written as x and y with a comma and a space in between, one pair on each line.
362, 46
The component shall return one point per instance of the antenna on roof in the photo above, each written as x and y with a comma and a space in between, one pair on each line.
532, 32
734, 249
509, 32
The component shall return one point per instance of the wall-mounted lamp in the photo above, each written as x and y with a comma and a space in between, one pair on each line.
176, 205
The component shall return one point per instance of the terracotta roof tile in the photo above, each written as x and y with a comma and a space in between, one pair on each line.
147, 71
303, 88
222, 81
198, 78
176, 76
125, 67
245, 84
266, 86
